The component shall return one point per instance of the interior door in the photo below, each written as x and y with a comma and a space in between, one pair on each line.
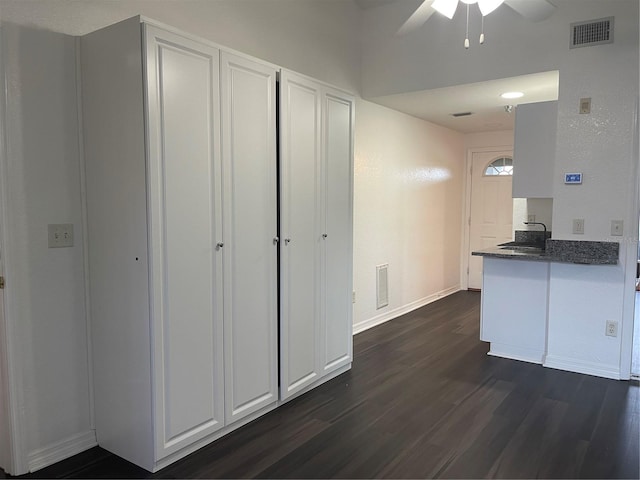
248, 90
491, 221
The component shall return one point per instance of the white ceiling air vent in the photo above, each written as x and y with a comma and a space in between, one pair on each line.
592, 32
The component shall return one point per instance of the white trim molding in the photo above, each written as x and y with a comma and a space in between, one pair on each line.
396, 312
43, 457
579, 366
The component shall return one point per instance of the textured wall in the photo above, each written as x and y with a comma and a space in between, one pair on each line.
408, 205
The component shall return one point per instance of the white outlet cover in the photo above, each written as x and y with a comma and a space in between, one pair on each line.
578, 226
617, 228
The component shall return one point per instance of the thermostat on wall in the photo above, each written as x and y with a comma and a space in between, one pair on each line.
573, 178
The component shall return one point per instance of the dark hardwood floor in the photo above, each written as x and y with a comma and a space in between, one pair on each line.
423, 400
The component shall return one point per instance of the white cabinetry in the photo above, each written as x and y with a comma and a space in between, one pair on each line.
515, 299
182, 259
534, 150
316, 151
250, 230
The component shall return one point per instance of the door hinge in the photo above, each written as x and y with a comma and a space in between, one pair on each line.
1, 283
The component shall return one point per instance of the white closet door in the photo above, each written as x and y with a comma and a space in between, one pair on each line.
184, 206
300, 227
250, 229
338, 203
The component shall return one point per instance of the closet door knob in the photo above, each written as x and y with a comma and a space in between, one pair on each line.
219, 245
324, 235
275, 240
287, 241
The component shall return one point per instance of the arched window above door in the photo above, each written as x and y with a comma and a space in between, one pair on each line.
500, 166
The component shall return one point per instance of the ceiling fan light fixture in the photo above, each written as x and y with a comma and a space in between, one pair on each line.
445, 7
488, 6
512, 95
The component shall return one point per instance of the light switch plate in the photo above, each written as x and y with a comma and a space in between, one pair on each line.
585, 106
617, 228
578, 226
60, 235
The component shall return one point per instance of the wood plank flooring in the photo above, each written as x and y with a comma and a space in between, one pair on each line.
423, 400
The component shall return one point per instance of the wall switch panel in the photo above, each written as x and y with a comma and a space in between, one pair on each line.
617, 228
578, 226
585, 106
60, 235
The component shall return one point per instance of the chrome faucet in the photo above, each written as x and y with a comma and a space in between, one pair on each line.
538, 223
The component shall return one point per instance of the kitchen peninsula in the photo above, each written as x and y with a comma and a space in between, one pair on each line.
515, 292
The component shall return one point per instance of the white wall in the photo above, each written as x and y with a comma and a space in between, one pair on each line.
601, 146
408, 201
45, 287
318, 38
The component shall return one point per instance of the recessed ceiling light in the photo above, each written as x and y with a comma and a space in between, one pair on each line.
512, 95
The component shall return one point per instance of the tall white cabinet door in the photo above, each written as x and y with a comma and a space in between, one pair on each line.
300, 228
182, 88
250, 229
338, 121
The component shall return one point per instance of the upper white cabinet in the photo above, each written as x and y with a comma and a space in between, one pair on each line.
182, 258
534, 150
316, 151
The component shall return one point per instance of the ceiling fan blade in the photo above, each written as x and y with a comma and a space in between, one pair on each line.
534, 10
417, 18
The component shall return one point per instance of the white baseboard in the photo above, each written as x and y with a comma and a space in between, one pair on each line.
516, 353
581, 366
43, 457
396, 312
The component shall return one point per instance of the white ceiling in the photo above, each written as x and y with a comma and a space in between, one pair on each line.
482, 99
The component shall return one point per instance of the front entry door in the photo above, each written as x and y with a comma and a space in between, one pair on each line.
491, 221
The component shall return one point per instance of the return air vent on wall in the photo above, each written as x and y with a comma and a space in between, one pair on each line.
382, 285
592, 32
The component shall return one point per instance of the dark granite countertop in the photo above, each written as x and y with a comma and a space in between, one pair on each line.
560, 251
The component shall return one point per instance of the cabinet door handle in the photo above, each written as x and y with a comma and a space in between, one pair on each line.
324, 235
219, 245
287, 241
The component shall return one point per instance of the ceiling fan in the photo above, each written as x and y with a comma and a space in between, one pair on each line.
534, 10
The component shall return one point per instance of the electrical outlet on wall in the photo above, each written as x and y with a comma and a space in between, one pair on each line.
353, 297
612, 328
578, 226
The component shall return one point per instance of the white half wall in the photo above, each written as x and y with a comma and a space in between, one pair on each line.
408, 201
46, 291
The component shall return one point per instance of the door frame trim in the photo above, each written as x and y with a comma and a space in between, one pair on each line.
465, 244
12, 376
